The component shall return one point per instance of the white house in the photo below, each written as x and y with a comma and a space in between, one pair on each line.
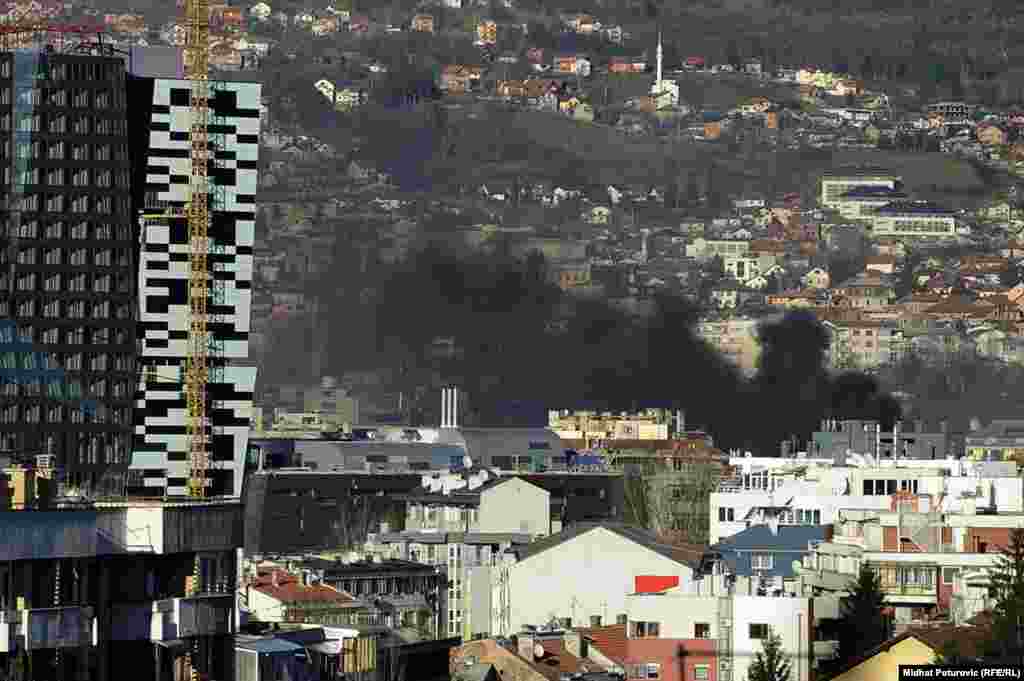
587, 571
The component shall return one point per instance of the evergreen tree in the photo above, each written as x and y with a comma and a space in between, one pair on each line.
771, 664
864, 626
1007, 581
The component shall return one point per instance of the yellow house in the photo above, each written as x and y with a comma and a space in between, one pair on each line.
916, 646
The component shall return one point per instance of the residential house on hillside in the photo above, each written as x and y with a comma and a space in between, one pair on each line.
457, 79
868, 290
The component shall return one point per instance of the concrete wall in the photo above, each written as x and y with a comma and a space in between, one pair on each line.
678, 658
263, 608
590, 574
515, 506
677, 615
789, 618
477, 613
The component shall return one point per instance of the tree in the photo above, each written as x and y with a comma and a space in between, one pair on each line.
771, 664
864, 625
1007, 582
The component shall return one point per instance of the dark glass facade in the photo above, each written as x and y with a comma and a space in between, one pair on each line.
67, 267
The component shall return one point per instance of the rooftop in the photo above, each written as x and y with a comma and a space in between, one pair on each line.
873, 191
687, 554
925, 207
287, 588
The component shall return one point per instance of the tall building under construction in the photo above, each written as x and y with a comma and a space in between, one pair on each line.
160, 455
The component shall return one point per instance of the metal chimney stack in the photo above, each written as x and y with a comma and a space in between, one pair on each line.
449, 407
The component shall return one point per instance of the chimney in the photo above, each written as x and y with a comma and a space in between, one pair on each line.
273, 578
595, 621
573, 642
525, 645
773, 524
622, 619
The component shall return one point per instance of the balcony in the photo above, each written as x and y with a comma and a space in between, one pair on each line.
205, 615
910, 594
68, 627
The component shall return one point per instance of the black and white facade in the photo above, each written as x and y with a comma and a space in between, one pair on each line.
160, 460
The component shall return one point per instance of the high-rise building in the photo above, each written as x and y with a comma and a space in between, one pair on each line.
67, 269
160, 456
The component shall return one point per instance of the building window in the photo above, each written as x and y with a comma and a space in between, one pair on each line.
701, 672
726, 515
761, 561
644, 629
759, 631
651, 670
702, 630
949, 575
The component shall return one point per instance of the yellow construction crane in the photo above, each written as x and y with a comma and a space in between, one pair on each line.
197, 53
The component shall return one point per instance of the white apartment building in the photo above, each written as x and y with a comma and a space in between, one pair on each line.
914, 219
835, 184
738, 620
466, 530
812, 491
931, 552
860, 203
709, 248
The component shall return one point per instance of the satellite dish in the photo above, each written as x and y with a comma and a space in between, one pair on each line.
538, 650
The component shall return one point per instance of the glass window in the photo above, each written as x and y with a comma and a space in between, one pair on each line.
759, 631
702, 630
761, 561
652, 670
701, 672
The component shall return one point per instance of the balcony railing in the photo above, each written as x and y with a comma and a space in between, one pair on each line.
204, 615
909, 589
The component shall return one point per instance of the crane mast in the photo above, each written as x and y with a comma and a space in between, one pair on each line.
197, 44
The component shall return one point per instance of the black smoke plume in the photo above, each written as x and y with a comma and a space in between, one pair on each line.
520, 339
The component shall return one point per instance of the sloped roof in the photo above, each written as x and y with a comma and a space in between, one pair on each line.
689, 555
609, 640
791, 539
558, 660
290, 590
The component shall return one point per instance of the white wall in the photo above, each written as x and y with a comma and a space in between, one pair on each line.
264, 608
515, 506
787, 617
675, 614
590, 574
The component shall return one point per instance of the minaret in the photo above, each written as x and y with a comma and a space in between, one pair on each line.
658, 56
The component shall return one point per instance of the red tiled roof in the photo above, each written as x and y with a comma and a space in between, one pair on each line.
609, 640
556, 657
290, 590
